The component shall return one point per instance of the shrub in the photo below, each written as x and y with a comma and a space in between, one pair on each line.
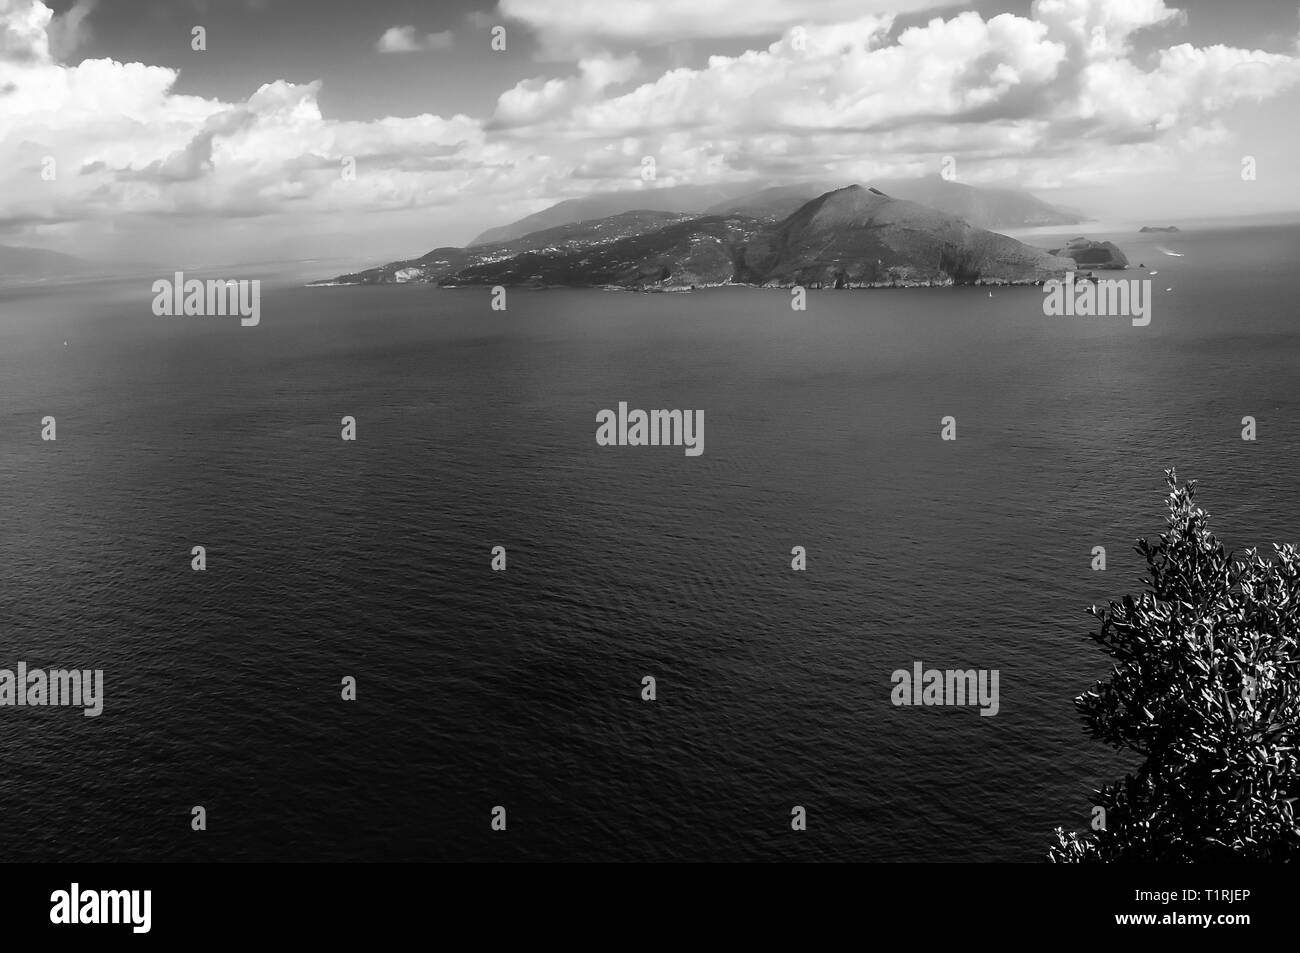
1206, 689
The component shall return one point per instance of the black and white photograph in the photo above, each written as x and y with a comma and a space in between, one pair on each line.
629, 433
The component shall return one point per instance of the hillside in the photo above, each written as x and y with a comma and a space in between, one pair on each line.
851, 237
981, 206
36, 263
681, 198
855, 237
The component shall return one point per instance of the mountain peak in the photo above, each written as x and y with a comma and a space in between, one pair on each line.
850, 237
981, 207
858, 237
856, 206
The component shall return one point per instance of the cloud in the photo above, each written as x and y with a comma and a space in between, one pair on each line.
23, 25
1062, 76
404, 39
1054, 98
68, 31
123, 142
533, 100
192, 162
579, 27
1102, 29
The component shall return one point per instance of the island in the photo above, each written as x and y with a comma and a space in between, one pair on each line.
852, 237
1159, 228
1093, 254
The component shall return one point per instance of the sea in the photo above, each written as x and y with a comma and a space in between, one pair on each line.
371, 559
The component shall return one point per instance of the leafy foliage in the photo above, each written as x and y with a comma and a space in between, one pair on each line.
1206, 687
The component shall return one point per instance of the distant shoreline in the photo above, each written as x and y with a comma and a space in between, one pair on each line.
679, 289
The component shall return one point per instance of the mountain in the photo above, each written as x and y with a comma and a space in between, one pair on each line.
855, 237
775, 203
851, 237
677, 198
18, 262
695, 251
982, 207
444, 263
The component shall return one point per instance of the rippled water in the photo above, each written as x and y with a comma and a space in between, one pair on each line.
475, 429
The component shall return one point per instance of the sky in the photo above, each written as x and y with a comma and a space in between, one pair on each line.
371, 131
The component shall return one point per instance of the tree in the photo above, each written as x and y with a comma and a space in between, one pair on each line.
1206, 688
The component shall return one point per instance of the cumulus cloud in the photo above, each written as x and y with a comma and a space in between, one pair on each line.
536, 99
1010, 86
581, 26
1102, 29
70, 30
122, 140
1056, 97
23, 30
404, 39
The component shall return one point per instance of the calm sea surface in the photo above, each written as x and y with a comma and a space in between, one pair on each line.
475, 429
